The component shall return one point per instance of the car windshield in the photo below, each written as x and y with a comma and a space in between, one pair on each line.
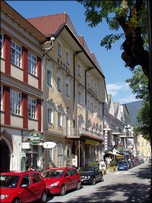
88, 168
9, 181
52, 173
122, 162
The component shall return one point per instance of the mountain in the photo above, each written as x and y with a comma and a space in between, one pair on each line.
133, 108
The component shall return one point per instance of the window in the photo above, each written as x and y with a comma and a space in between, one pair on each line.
16, 54
1, 97
68, 125
68, 155
67, 89
88, 79
32, 64
79, 98
59, 119
80, 121
50, 115
15, 102
59, 155
88, 104
96, 88
79, 70
67, 58
32, 107
49, 77
1, 44
59, 50
59, 84
92, 106
92, 84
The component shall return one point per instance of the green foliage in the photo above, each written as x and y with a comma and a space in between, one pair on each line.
113, 163
93, 163
139, 85
111, 11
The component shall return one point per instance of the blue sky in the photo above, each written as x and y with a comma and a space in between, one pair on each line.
110, 61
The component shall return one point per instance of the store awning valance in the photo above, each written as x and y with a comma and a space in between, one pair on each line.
92, 137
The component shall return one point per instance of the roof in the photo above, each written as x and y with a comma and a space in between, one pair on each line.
50, 25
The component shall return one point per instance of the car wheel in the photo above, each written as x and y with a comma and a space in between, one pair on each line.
78, 185
93, 181
16, 201
63, 190
43, 197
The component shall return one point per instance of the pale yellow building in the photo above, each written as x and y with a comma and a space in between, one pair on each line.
73, 94
143, 147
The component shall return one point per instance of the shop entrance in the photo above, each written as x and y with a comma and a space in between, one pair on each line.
5, 157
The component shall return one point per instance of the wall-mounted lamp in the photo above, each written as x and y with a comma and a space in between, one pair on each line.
51, 45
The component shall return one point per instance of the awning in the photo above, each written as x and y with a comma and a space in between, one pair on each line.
92, 137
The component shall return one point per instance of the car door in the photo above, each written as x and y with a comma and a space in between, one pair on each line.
98, 174
37, 185
74, 178
68, 179
26, 193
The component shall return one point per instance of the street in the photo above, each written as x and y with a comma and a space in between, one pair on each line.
120, 186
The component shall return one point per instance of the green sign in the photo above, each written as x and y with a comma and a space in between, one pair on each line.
35, 138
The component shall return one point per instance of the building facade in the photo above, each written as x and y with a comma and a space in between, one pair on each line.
21, 89
73, 100
55, 110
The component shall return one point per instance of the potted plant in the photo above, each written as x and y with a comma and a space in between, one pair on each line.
113, 166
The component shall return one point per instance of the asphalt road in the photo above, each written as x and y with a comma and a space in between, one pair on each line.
120, 186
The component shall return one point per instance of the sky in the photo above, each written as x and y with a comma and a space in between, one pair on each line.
110, 60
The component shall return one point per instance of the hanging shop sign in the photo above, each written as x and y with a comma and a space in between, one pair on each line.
49, 145
92, 142
26, 145
35, 138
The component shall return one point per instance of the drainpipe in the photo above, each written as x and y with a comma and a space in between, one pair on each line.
88, 69
74, 93
74, 101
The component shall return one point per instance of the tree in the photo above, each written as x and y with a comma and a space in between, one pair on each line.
131, 17
139, 86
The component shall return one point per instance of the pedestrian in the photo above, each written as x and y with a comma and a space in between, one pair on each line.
31, 168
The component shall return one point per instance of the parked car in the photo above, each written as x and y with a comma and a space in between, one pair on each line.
19, 187
61, 180
123, 165
131, 165
91, 175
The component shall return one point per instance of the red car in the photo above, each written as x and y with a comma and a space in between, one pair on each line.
60, 180
18, 187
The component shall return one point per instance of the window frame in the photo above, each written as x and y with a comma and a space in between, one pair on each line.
59, 155
79, 70
32, 108
15, 102
32, 64
2, 45
59, 49
67, 58
59, 83
16, 55
50, 116
1, 97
